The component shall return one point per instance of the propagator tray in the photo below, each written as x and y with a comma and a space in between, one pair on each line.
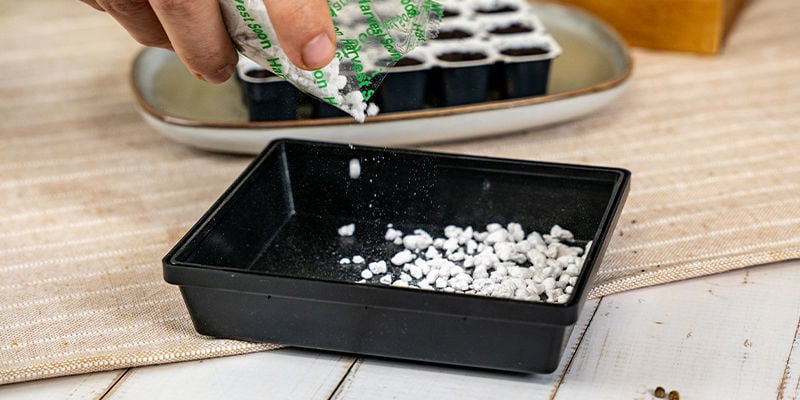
485, 51
262, 264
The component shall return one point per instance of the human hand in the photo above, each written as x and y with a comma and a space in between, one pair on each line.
195, 30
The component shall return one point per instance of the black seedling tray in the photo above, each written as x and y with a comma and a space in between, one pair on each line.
262, 264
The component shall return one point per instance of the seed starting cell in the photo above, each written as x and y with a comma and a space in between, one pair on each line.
266, 263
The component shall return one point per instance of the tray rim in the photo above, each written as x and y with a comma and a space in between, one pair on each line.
558, 314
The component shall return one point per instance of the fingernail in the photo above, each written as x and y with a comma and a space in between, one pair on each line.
221, 75
318, 52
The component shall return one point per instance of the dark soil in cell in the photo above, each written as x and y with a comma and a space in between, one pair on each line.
506, 9
454, 34
459, 56
449, 13
407, 62
529, 51
259, 73
513, 28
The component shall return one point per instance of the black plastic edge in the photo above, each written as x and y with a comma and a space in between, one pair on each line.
185, 274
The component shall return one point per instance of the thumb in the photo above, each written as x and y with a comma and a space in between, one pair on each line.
305, 31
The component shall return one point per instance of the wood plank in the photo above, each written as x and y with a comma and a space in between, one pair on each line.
732, 335
278, 374
789, 387
373, 378
87, 386
726, 336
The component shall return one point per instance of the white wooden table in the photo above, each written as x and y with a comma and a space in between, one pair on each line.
729, 336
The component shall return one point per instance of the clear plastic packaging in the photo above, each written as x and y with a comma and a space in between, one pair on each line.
371, 36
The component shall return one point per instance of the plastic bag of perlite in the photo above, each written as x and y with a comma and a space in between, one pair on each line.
372, 35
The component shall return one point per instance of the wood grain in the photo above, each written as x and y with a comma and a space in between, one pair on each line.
722, 337
87, 386
279, 374
789, 387
731, 336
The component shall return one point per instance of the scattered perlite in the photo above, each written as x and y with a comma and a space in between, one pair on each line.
355, 168
502, 261
347, 230
378, 267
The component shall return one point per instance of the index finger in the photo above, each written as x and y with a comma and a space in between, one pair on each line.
197, 33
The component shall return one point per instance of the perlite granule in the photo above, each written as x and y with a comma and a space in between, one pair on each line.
371, 35
346, 230
354, 168
501, 261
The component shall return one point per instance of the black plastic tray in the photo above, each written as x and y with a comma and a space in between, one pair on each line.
262, 263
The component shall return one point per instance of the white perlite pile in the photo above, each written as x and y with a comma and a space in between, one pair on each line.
502, 261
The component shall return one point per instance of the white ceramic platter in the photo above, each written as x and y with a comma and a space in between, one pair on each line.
591, 72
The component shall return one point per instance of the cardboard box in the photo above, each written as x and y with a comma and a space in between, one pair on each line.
687, 25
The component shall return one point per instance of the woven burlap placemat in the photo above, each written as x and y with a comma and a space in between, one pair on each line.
92, 197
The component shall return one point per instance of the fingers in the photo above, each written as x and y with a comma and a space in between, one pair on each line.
305, 31
197, 32
138, 19
194, 29
93, 4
